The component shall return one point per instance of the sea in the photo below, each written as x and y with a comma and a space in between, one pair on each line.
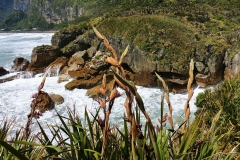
15, 95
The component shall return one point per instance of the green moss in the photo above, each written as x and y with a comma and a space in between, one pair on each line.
43, 48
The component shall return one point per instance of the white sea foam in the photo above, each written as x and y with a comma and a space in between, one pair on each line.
16, 99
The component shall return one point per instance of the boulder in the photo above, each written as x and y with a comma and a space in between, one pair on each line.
209, 66
16, 75
200, 67
77, 60
84, 84
91, 51
232, 64
63, 77
202, 80
8, 78
56, 66
20, 64
41, 57
99, 62
43, 102
56, 98
3, 71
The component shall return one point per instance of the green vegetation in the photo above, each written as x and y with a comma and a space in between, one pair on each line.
43, 48
224, 97
152, 33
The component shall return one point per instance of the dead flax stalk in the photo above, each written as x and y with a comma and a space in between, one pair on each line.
140, 104
27, 129
170, 119
190, 94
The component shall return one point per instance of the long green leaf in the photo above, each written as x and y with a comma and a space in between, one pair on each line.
49, 150
95, 153
15, 152
68, 132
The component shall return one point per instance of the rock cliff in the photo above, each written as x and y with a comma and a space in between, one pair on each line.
52, 11
86, 62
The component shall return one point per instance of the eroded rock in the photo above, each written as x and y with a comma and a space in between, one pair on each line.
56, 66
41, 57
20, 64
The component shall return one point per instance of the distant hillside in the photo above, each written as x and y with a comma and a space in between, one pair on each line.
48, 14
6, 7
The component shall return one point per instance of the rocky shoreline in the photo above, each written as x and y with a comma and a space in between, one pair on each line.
80, 55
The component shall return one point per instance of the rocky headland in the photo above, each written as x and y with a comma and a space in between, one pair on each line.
80, 55
77, 54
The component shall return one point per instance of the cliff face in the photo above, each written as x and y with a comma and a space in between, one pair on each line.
87, 63
56, 14
21, 5
50, 10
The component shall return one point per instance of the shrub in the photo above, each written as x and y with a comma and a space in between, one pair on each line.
224, 97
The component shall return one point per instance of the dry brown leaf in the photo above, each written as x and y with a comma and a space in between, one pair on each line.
103, 91
97, 33
42, 84
170, 120
104, 81
113, 61
123, 55
113, 94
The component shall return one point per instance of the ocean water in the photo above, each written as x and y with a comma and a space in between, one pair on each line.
15, 96
13, 45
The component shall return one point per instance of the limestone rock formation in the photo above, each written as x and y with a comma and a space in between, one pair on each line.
41, 57
83, 83
209, 66
87, 53
3, 71
20, 64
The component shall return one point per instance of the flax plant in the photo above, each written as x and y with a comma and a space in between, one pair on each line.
114, 93
130, 91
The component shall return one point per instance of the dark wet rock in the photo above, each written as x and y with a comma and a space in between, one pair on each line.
3, 71
20, 64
